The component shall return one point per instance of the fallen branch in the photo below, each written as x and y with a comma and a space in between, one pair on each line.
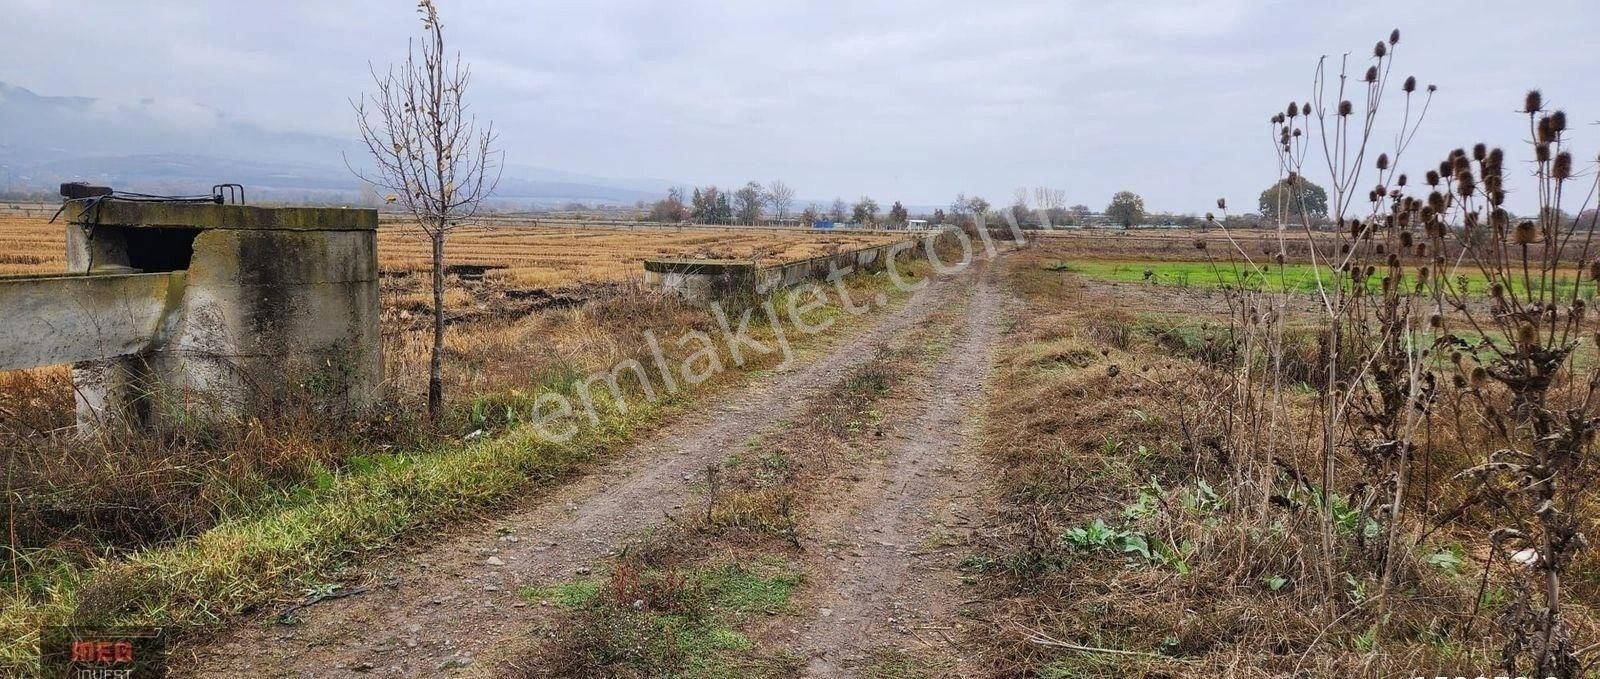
1040, 639
287, 613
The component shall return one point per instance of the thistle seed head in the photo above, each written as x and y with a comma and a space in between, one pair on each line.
1526, 334
1383, 158
1533, 102
1562, 169
1410, 85
1380, 50
1346, 108
1525, 233
1394, 36
1372, 75
1222, 203
1432, 178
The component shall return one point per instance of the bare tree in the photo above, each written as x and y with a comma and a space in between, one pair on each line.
747, 202
671, 209
811, 215
780, 196
430, 154
958, 208
865, 211
839, 211
1046, 198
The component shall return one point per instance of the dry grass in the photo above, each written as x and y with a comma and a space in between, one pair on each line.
30, 244
1110, 428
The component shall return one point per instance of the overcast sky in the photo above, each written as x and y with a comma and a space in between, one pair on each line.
914, 101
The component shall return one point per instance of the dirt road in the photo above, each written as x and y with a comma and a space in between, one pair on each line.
439, 609
890, 580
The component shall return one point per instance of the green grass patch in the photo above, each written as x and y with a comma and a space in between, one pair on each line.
570, 595
671, 623
1299, 278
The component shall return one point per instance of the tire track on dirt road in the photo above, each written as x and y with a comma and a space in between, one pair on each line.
883, 581
436, 609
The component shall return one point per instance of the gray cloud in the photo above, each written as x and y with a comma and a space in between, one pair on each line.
912, 101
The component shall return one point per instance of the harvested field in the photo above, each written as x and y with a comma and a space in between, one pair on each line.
515, 256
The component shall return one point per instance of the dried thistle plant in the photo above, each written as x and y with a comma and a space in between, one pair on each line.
1433, 296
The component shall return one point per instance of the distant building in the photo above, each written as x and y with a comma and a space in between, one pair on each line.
916, 223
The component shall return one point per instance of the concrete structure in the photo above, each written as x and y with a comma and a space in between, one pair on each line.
202, 310
701, 280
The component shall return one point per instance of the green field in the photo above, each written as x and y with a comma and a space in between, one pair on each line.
1288, 277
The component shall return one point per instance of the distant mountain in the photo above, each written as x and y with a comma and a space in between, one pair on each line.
156, 146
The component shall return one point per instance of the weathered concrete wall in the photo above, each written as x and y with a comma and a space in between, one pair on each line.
66, 319
268, 312
700, 279
703, 280
250, 306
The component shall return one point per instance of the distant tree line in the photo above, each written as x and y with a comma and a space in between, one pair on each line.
755, 203
1031, 208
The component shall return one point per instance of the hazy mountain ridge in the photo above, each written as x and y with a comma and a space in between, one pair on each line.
166, 147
